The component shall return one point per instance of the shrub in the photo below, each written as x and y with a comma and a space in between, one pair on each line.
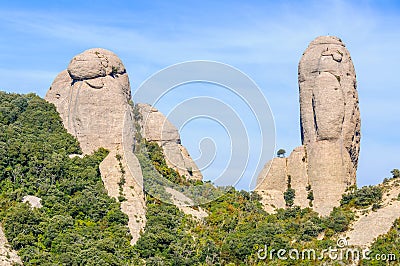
362, 197
395, 173
289, 196
339, 220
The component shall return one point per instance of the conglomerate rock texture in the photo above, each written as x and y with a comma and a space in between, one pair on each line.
93, 98
326, 164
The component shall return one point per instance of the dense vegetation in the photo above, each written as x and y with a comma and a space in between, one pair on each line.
80, 225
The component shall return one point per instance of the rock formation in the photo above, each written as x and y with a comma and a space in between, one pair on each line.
156, 127
329, 102
326, 164
93, 98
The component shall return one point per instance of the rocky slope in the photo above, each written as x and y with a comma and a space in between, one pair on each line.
370, 224
326, 164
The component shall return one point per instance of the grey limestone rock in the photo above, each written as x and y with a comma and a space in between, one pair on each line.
95, 63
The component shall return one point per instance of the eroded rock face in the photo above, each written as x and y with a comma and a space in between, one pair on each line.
330, 119
92, 97
156, 127
330, 130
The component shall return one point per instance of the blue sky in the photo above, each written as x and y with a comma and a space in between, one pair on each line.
264, 39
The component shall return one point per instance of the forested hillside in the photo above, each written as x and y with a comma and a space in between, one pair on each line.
80, 225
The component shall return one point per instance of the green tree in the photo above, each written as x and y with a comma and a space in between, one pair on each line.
395, 173
289, 196
281, 153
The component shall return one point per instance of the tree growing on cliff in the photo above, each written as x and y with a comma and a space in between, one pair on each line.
290, 193
289, 196
281, 153
395, 173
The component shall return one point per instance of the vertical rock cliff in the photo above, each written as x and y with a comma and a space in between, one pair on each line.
93, 98
330, 131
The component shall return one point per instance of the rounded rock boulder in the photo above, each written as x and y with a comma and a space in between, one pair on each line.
94, 63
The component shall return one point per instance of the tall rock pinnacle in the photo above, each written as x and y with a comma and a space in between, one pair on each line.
328, 96
92, 97
326, 164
